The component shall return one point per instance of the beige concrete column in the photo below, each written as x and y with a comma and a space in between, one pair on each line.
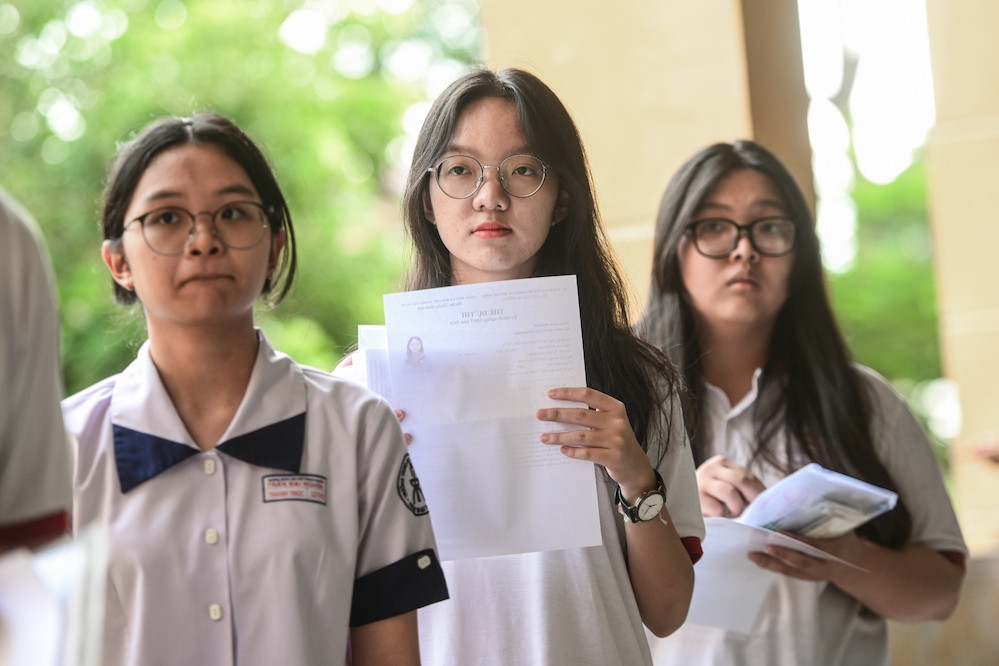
650, 83
963, 170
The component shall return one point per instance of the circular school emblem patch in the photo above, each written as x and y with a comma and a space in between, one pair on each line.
409, 488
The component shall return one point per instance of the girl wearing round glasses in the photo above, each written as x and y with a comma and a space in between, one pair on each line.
738, 300
499, 189
251, 502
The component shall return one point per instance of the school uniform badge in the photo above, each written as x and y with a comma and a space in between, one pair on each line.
294, 488
409, 489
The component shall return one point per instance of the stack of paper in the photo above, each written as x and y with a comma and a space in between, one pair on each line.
488, 354
819, 503
814, 502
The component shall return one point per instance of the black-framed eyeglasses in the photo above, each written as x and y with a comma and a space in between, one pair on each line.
240, 225
717, 237
461, 176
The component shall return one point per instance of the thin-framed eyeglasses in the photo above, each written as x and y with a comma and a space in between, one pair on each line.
461, 176
717, 237
239, 225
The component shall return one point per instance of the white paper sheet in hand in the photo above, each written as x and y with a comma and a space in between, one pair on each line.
728, 587
814, 501
818, 502
491, 352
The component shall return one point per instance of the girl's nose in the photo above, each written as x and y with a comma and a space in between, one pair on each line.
491, 195
205, 241
744, 248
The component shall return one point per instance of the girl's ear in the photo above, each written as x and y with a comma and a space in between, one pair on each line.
277, 244
114, 258
428, 209
561, 207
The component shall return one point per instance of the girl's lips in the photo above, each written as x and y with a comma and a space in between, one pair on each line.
205, 277
742, 281
491, 230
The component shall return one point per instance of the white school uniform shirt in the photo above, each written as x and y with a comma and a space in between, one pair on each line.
35, 489
572, 607
216, 560
815, 623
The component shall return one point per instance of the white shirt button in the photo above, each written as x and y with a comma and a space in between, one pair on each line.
215, 612
209, 466
211, 536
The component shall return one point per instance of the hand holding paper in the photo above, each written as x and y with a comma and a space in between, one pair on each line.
490, 354
730, 588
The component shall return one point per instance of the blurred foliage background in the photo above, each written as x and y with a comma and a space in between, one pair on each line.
325, 87
886, 300
332, 89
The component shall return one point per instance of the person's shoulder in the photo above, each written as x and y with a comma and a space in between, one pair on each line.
873, 379
19, 234
14, 218
886, 398
80, 407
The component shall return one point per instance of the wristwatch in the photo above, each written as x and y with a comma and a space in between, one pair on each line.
648, 505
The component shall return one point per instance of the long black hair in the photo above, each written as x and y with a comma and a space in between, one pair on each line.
809, 387
617, 362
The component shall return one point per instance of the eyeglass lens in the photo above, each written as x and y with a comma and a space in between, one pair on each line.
770, 236
460, 176
240, 225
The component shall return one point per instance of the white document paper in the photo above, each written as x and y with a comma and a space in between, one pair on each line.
491, 353
728, 587
818, 502
52, 602
814, 501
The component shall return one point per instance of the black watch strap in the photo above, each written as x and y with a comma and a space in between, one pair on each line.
630, 513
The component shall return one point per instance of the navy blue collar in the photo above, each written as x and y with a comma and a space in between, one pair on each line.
141, 456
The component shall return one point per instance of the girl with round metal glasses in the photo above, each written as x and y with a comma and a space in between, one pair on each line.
534, 214
738, 300
251, 501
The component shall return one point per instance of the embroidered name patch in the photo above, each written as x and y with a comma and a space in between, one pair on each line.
409, 488
295, 487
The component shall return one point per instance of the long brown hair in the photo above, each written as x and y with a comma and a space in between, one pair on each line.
618, 363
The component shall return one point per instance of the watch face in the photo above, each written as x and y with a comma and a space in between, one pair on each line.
650, 506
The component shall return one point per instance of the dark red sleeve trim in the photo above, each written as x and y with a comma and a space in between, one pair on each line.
957, 557
693, 547
34, 532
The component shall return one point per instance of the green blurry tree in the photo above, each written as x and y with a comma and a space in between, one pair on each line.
324, 86
887, 301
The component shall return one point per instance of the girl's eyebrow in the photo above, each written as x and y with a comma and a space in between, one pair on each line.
468, 150
761, 203
238, 188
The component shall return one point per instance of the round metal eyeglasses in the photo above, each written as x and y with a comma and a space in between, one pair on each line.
240, 225
716, 238
461, 176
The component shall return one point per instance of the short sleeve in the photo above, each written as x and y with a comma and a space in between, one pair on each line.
677, 470
905, 450
398, 568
